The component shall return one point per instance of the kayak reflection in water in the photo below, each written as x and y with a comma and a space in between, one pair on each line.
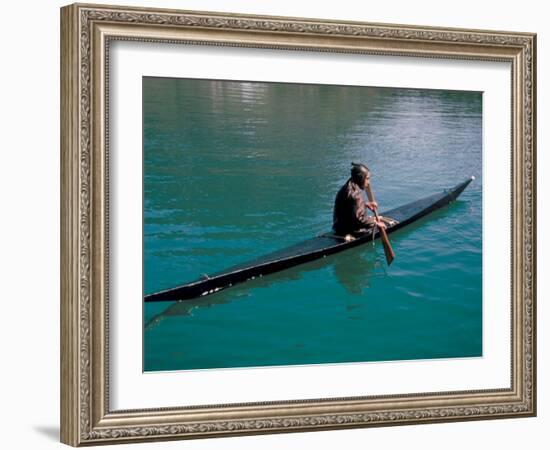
350, 207
356, 269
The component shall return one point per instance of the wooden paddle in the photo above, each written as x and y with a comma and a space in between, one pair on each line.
388, 250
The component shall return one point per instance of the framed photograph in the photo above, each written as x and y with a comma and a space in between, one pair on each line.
274, 224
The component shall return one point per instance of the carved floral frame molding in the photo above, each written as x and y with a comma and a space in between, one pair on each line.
86, 33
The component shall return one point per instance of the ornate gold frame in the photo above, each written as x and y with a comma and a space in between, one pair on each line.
86, 31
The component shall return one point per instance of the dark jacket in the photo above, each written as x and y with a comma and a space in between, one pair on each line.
350, 210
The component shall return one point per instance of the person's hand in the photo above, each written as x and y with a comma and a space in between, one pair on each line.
380, 224
373, 206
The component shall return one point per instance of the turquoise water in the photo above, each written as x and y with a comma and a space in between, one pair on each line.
234, 170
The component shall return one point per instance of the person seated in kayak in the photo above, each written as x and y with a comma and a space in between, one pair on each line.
350, 206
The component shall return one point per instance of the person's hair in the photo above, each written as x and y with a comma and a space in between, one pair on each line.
359, 172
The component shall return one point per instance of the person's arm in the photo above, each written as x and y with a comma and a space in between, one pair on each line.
360, 212
372, 206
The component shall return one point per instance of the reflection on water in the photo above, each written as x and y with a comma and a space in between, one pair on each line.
236, 170
352, 269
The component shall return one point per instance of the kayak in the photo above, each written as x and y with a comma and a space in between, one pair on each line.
306, 251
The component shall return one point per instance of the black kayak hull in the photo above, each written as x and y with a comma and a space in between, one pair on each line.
306, 251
